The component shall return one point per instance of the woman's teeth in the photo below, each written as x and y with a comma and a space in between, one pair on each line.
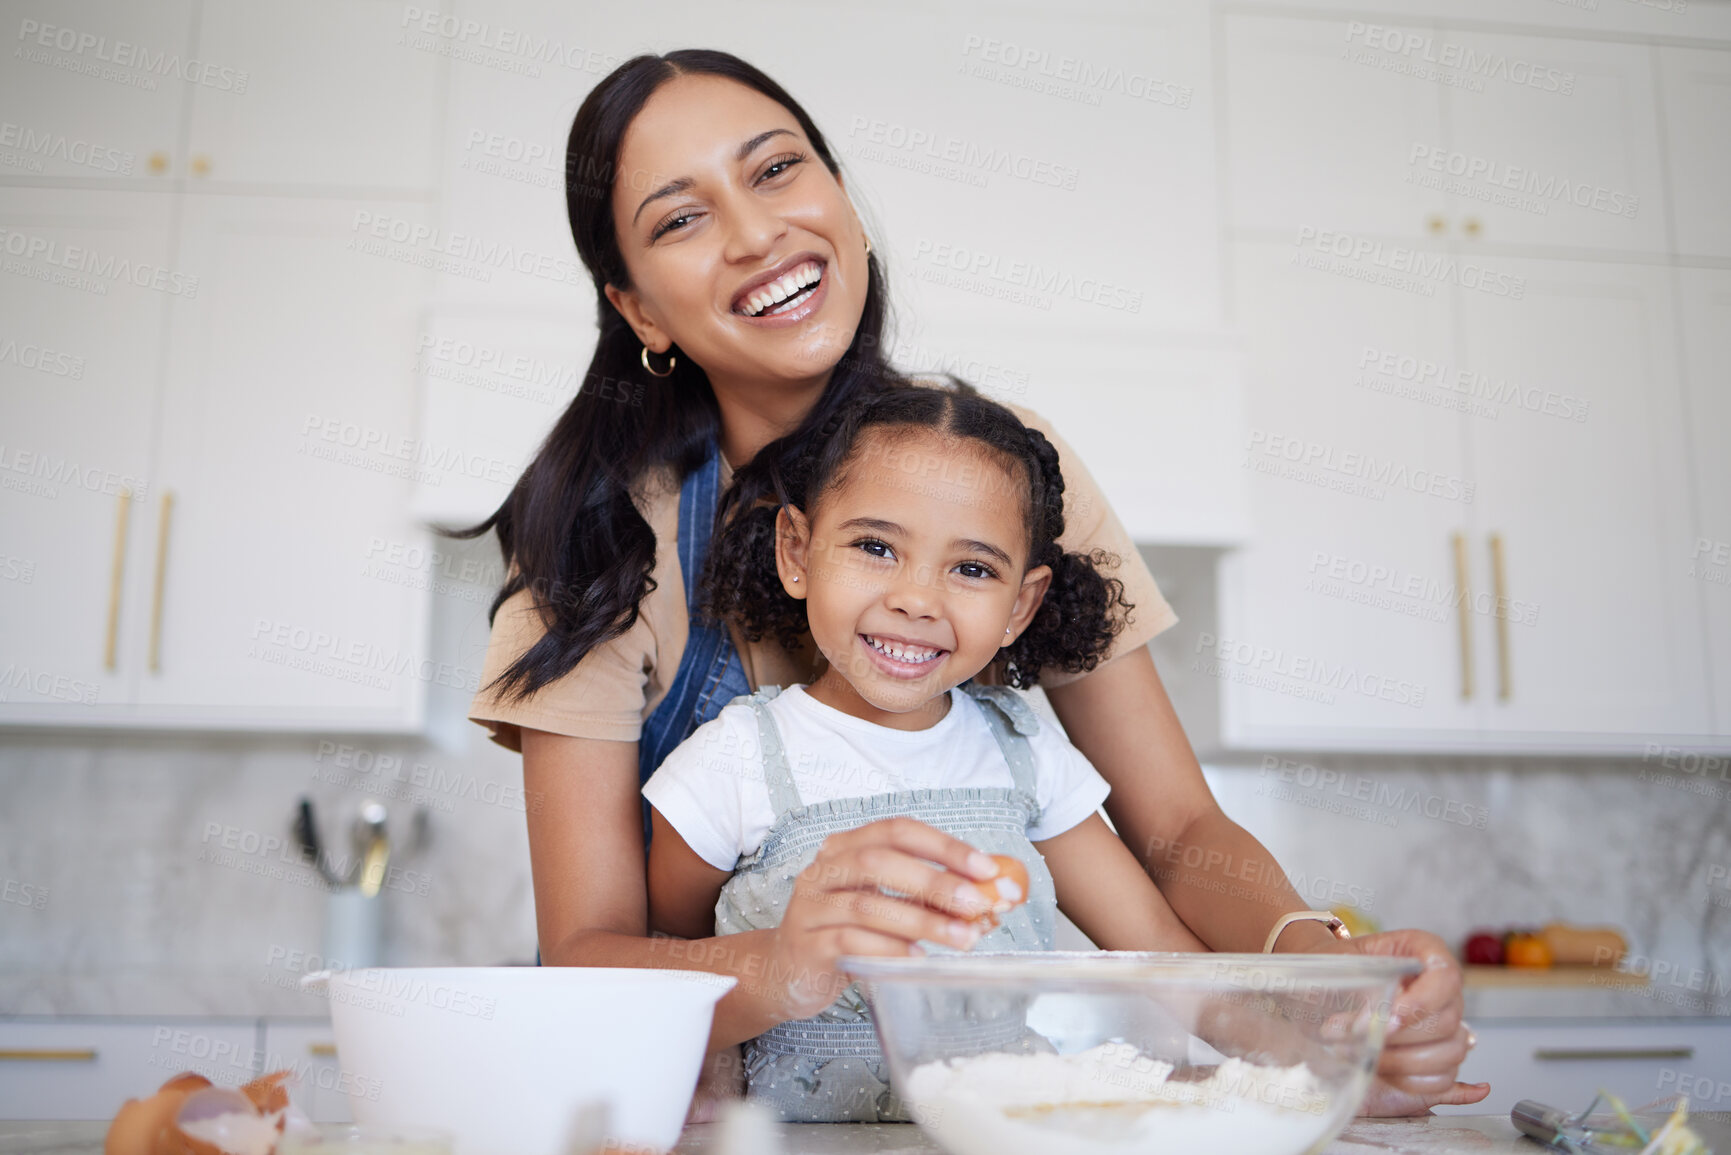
787, 293
900, 652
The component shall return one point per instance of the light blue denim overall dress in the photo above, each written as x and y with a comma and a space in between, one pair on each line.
828, 1068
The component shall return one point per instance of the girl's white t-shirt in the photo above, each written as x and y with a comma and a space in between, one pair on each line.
711, 787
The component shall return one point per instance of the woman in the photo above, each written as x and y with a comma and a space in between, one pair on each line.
738, 290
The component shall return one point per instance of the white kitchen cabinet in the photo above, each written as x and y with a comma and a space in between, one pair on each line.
1557, 145
93, 90
324, 95
317, 1083
1697, 94
1584, 478
66, 1068
288, 444
1705, 302
78, 377
1337, 620
1564, 1064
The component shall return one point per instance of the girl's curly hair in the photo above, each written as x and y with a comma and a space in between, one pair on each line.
1082, 611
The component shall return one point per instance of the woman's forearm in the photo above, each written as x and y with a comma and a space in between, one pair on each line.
753, 1006
1217, 877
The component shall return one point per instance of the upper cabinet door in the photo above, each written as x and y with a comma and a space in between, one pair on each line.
1697, 87
1550, 141
1339, 627
290, 448
329, 96
1706, 308
83, 314
94, 89
1319, 128
1584, 479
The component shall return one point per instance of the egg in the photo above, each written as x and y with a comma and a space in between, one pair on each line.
1007, 890
189, 1116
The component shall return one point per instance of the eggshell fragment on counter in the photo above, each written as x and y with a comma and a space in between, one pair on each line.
188, 1115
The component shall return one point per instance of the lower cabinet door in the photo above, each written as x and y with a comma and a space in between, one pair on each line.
85, 1069
1565, 1064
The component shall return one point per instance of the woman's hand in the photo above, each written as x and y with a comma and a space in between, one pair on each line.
838, 909
1427, 1039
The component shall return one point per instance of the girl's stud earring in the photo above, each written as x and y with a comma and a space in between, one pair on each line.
795, 577
671, 362
868, 241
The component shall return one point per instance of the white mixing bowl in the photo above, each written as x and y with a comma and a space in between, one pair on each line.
510, 1059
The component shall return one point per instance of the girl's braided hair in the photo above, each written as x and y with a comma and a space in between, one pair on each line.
1082, 611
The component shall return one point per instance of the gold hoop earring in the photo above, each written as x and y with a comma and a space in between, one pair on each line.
868, 241
671, 362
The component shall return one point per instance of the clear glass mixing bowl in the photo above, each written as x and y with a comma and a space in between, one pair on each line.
1113, 1052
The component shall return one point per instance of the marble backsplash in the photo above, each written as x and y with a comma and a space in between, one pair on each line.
156, 873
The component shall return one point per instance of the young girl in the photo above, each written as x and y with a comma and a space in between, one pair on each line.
918, 543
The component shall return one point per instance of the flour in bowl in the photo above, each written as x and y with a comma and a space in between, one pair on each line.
1111, 1100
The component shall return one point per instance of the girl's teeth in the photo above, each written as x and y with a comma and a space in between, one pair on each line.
903, 653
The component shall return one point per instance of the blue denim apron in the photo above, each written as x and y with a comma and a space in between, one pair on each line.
710, 674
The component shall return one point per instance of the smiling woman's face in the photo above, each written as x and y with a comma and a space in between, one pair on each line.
719, 188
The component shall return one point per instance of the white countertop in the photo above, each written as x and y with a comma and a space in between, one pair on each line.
1430, 1135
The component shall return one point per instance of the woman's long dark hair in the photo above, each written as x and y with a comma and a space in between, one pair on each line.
570, 531
1083, 609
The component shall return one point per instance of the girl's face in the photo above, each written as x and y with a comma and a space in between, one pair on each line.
720, 195
912, 571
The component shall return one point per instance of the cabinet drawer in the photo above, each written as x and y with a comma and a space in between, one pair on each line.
1564, 1065
73, 1069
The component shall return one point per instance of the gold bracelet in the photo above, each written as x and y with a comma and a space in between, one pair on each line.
1333, 922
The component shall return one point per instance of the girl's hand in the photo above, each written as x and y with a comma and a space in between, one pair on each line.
1424, 1051
837, 908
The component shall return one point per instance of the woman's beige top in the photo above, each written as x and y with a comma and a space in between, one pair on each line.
615, 686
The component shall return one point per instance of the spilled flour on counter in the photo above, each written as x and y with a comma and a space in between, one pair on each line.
1111, 1100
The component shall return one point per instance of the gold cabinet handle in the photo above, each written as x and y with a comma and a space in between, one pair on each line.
1613, 1054
116, 574
322, 1050
1463, 606
156, 592
1505, 685
52, 1055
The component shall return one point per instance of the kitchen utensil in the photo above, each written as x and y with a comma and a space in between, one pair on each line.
368, 828
1070, 1052
307, 837
506, 1058
1665, 1123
